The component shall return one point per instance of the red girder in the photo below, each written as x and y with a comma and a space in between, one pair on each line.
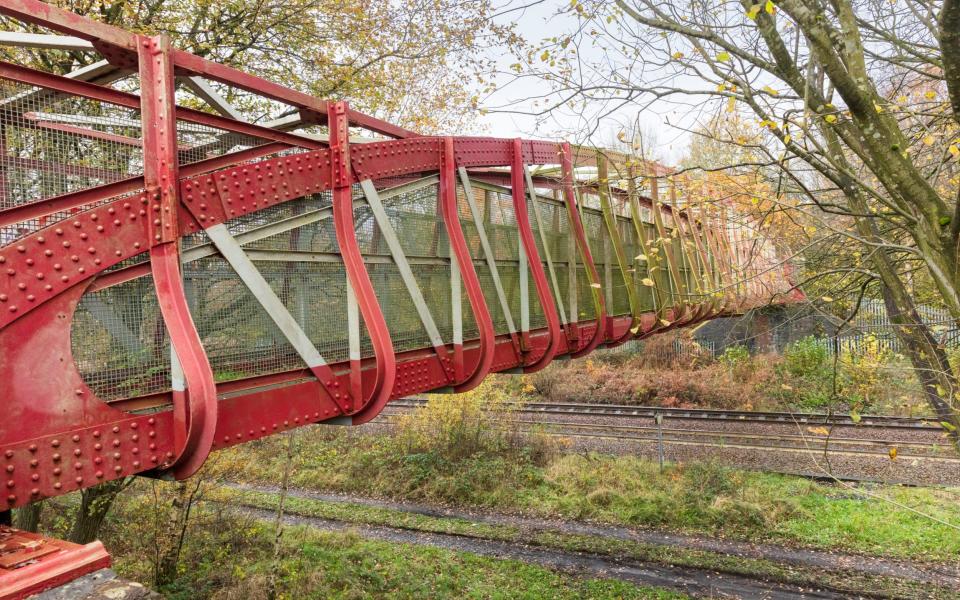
451, 219
58, 436
535, 361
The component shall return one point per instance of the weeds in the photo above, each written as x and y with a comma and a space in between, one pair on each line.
803, 379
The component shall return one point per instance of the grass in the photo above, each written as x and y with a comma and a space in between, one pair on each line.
231, 558
557, 539
345, 566
695, 498
451, 454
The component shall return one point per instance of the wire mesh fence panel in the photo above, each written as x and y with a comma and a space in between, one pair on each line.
593, 226
53, 144
555, 231
637, 261
415, 218
619, 295
119, 342
471, 235
504, 237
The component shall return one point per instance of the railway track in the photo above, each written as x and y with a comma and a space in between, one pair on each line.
740, 416
906, 450
885, 448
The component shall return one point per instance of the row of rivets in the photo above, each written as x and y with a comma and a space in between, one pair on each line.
58, 458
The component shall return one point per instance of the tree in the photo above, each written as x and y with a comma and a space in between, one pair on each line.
858, 106
413, 63
95, 503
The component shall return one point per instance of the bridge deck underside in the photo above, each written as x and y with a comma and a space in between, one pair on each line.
279, 274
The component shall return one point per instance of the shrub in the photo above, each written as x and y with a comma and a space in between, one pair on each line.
455, 427
865, 373
738, 361
805, 358
734, 355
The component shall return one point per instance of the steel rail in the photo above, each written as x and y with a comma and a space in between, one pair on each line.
734, 416
744, 445
810, 438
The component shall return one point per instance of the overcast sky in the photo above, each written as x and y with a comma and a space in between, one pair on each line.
539, 21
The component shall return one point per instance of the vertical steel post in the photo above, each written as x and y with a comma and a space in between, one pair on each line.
195, 409
342, 182
547, 303
658, 418
462, 263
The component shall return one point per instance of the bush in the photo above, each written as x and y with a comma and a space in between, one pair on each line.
865, 373
734, 356
738, 362
454, 427
806, 358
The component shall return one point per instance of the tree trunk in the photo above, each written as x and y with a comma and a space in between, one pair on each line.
27, 518
95, 503
170, 542
278, 524
929, 360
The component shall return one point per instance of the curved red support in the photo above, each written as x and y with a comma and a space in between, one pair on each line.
195, 411
385, 372
566, 167
518, 186
481, 313
195, 407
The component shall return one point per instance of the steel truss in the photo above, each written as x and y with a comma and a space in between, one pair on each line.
522, 265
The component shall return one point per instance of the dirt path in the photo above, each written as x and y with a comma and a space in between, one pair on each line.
940, 575
695, 582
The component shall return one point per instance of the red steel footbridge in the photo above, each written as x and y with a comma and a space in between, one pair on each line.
176, 280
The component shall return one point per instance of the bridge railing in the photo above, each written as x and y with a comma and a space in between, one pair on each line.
178, 280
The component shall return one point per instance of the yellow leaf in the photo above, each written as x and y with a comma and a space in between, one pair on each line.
929, 140
545, 56
877, 107
678, 55
769, 7
786, 139
770, 90
831, 118
954, 150
827, 299
819, 430
893, 453
723, 56
640, 257
752, 13
930, 94
647, 282
731, 104
665, 322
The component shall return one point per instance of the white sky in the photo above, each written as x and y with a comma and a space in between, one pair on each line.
539, 21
